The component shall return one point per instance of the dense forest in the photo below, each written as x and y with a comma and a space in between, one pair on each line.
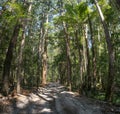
73, 42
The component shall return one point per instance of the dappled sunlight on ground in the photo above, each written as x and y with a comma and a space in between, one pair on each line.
53, 99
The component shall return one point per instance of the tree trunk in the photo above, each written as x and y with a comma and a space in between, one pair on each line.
40, 52
44, 64
8, 59
39, 62
88, 77
62, 69
67, 41
20, 60
110, 79
80, 61
94, 64
44, 52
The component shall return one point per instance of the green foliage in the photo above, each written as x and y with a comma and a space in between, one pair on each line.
100, 96
13, 12
71, 10
74, 14
109, 13
83, 11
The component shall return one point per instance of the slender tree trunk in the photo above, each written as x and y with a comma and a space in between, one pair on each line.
110, 78
86, 60
8, 59
94, 64
67, 41
62, 70
20, 60
88, 77
80, 60
44, 53
39, 63
44, 64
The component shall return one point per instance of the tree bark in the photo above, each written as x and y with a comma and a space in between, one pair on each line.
8, 59
88, 77
94, 64
20, 60
39, 62
67, 41
44, 65
44, 53
110, 79
80, 60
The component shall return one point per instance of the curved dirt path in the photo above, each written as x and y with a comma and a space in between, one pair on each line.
53, 99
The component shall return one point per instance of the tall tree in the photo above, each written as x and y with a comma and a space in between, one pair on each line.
67, 41
21, 48
109, 88
94, 70
8, 59
16, 14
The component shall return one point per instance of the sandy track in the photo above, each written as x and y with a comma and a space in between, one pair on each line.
53, 99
